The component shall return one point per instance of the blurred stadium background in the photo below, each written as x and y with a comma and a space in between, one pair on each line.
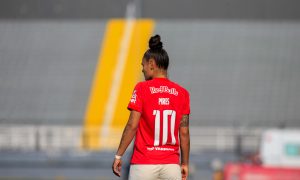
67, 69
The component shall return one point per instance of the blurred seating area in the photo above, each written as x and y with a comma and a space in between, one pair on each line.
60, 59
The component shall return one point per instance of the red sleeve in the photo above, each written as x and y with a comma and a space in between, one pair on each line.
186, 106
136, 101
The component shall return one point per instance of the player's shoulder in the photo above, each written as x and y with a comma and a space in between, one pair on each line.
139, 84
179, 87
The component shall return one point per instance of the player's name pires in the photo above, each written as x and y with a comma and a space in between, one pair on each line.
163, 89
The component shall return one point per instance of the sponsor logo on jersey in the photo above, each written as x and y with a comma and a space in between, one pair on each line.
160, 149
164, 89
133, 97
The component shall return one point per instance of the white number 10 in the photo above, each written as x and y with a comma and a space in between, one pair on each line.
166, 114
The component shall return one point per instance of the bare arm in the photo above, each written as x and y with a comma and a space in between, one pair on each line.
127, 136
184, 136
129, 131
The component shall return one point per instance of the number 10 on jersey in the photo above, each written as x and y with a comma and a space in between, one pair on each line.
165, 114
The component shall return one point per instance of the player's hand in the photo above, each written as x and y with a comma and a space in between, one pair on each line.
184, 171
117, 166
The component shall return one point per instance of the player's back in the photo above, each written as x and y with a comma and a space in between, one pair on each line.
162, 104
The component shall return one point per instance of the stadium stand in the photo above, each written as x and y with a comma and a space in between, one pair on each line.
239, 60
237, 73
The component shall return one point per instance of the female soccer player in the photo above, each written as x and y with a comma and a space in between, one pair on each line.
159, 113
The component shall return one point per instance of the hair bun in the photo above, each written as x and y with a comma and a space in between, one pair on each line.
155, 43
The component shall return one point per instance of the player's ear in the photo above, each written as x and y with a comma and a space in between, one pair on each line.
151, 63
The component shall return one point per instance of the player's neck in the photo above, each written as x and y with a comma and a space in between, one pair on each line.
160, 74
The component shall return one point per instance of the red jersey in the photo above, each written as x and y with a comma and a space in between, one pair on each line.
161, 103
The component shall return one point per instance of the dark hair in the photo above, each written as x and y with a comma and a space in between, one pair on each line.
157, 52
